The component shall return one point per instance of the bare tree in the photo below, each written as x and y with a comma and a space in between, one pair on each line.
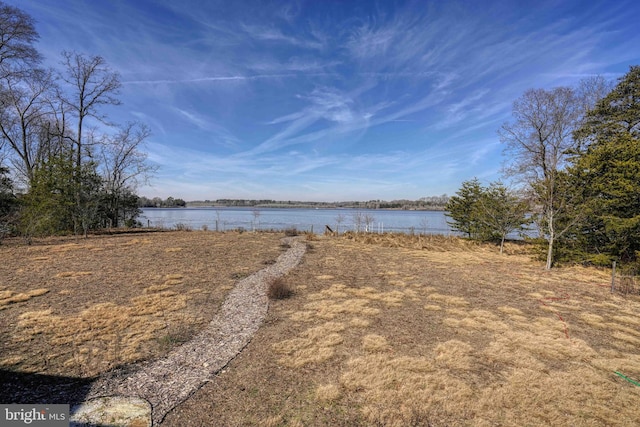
358, 219
123, 166
17, 38
57, 128
539, 141
24, 110
91, 85
589, 91
368, 222
17, 52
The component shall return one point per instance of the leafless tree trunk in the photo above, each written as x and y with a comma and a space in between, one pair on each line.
358, 219
18, 55
23, 113
91, 85
539, 141
123, 164
368, 221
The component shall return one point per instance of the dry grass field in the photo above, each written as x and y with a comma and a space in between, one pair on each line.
79, 307
380, 330
432, 332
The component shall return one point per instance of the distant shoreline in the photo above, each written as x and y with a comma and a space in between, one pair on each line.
191, 205
429, 203
403, 205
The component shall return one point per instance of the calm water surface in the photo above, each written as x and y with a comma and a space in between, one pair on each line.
379, 220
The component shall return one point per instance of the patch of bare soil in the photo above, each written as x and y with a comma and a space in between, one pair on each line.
76, 308
431, 331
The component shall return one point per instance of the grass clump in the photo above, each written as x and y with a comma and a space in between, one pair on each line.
279, 289
291, 232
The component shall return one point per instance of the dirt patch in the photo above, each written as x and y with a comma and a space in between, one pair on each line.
381, 332
81, 307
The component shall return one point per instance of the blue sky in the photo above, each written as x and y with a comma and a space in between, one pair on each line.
332, 100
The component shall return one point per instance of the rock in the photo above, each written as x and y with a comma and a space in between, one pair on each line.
112, 411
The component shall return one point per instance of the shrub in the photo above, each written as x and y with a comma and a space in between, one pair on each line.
291, 232
601, 260
279, 289
183, 227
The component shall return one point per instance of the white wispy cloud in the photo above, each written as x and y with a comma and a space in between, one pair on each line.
210, 79
339, 109
218, 134
274, 34
378, 97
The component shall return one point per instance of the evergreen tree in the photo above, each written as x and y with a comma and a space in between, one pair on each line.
606, 174
8, 203
608, 177
501, 212
7, 198
48, 205
461, 208
61, 199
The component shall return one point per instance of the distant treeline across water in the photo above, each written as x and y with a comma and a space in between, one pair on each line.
424, 203
303, 219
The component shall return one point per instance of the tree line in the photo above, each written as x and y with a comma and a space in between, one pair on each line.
157, 202
64, 166
424, 203
573, 154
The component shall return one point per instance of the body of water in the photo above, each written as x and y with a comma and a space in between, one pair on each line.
221, 219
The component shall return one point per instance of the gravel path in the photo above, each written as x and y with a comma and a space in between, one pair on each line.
167, 382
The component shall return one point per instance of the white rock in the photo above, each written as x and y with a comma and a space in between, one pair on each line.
112, 411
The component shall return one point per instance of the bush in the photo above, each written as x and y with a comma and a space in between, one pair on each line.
291, 232
183, 227
601, 260
279, 289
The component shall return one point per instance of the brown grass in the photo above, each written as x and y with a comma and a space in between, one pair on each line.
433, 331
382, 330
373, 343
328, 393
9, 297
81, 307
